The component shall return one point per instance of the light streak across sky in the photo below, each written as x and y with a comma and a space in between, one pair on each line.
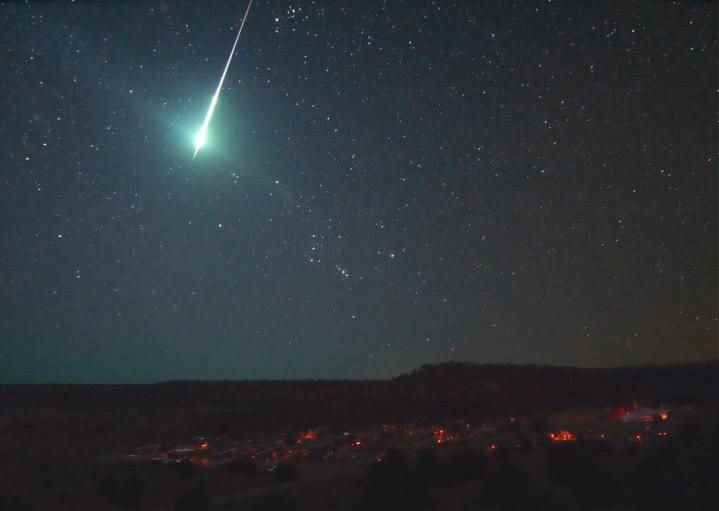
201, 136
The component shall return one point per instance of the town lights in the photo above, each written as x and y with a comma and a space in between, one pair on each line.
562, 436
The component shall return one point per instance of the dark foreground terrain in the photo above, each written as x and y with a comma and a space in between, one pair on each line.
453, 436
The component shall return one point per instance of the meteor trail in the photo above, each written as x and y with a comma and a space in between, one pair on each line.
201, 136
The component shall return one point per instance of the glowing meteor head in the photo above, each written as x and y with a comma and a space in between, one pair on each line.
200, 140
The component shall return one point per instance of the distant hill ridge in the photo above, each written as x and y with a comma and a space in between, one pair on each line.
456, 370
556, 385
447, 389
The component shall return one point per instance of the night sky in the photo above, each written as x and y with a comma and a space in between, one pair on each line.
386, 184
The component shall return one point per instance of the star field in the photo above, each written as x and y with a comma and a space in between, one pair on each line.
385, 184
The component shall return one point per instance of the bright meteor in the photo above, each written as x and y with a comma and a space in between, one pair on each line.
201, 136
